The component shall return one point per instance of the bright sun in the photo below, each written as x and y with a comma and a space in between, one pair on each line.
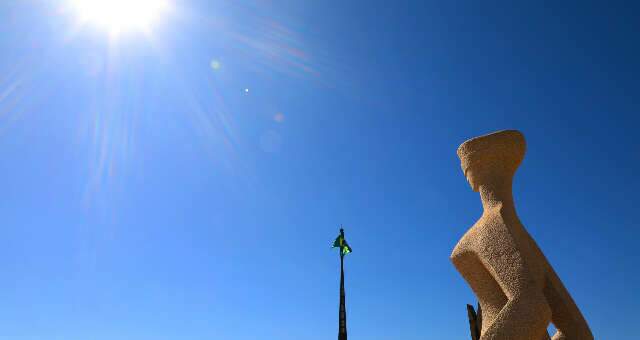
120, 15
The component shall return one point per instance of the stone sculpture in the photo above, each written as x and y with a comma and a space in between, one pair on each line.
517, 288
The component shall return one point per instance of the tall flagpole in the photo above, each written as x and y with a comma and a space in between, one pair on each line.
342, 325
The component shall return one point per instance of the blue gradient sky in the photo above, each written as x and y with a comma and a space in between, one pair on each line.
147, 195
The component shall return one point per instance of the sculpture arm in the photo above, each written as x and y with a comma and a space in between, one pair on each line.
526, 314
523, 317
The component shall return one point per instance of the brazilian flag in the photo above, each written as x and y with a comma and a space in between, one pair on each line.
341, 243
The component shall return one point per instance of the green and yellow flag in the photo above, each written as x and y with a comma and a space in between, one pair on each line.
341, 243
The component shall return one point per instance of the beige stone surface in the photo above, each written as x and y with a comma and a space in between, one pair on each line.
518, 290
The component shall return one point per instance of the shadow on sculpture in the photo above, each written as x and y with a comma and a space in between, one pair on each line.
517, 289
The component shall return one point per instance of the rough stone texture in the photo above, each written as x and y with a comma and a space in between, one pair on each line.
518, 289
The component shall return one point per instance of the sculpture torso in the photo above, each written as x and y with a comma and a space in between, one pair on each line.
493, 240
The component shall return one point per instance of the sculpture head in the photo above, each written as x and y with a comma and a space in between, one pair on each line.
492, 158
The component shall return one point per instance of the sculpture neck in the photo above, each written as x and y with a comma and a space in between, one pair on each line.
497, 196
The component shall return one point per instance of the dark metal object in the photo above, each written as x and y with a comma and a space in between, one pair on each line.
475, 321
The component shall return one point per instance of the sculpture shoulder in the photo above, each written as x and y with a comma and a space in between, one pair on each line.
483, 236
467, 243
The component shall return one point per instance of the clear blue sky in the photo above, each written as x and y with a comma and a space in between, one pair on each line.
148, 195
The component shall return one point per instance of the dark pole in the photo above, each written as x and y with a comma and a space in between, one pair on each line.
342, 325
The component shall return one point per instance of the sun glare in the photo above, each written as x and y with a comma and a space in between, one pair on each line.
118, 16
